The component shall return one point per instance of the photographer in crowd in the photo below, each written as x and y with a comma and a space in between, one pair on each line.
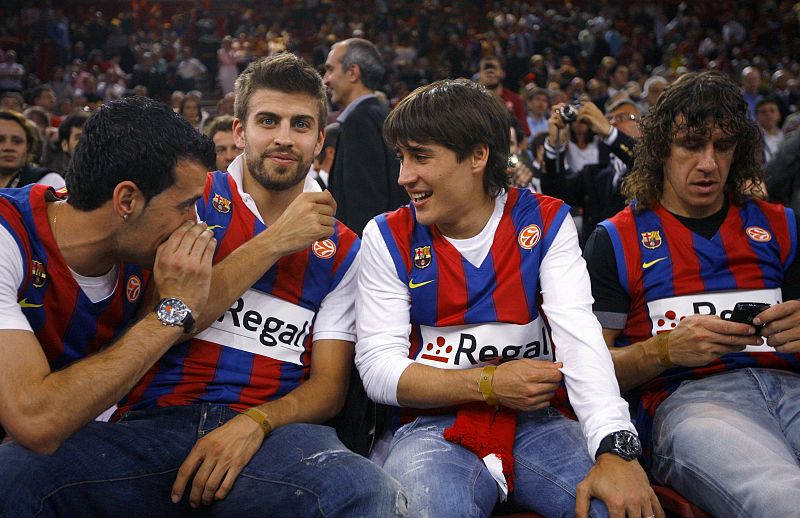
594, 187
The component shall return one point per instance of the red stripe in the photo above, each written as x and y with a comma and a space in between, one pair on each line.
265, 381
401, 225
548, 208
289, 278
638, 324
742, 260
451, 292
509, 297
56, 300
242, 223
199, 368
685, 262
135, 395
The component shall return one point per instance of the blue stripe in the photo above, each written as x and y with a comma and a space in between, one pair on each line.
424, 299
715, 274
657, 279
791, 220
169, 376
619, 254
391, 244
526, 212
234, 370
481, 285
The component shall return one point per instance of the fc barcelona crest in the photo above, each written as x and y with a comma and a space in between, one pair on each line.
38, 274
221, 204
651, 240
422, 257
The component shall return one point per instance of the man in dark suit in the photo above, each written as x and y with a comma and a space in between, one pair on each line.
364, 175
596, 186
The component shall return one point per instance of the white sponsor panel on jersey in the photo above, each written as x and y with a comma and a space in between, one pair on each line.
263, 324
464, 347
665, 314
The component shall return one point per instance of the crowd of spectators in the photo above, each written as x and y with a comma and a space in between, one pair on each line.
189, 52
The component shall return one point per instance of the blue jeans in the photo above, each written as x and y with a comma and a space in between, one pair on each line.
443, 479
731, 443
127, 469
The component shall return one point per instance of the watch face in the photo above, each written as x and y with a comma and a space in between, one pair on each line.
172, 311
627, 444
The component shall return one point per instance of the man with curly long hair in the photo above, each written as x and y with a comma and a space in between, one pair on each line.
716, 401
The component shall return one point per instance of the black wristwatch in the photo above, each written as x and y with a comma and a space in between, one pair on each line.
623, 444
175, 312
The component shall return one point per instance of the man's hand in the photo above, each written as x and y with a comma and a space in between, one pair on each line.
307, 219
557, 130
622, 485
526, 384
521, 176
216, 460
183, 265
700, 339
591, 115
782, 327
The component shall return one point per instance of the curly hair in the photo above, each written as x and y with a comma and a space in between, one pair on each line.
694, 105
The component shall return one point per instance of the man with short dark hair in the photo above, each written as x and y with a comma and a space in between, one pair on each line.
491, 75
768, 118
363, 179
220, 131
453, 294
538, 104
715, 403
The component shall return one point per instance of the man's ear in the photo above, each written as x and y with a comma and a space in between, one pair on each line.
65, 146
238, 132
354, 73
479, 157
127, 199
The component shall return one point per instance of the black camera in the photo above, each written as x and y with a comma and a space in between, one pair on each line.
569, 112
745, 312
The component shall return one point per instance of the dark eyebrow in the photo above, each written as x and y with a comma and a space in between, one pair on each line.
267, 114
415, 149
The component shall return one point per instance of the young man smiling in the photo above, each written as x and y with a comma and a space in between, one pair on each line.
450, 326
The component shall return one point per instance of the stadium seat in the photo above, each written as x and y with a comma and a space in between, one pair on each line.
675, 505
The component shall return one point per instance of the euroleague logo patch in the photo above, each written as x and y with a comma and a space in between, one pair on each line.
133, 288
324, 249
529, 236
758, 234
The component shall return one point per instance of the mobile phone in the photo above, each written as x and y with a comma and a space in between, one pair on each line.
745, 312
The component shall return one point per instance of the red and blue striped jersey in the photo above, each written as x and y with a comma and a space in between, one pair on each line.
464, 315
260, 349
67, 324
671, 272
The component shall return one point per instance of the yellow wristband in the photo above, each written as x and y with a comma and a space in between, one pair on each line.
663, 350
259, 417
485, 385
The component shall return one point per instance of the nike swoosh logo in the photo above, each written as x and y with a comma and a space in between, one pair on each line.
648, 264
212, 227
412, 284
25, 304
